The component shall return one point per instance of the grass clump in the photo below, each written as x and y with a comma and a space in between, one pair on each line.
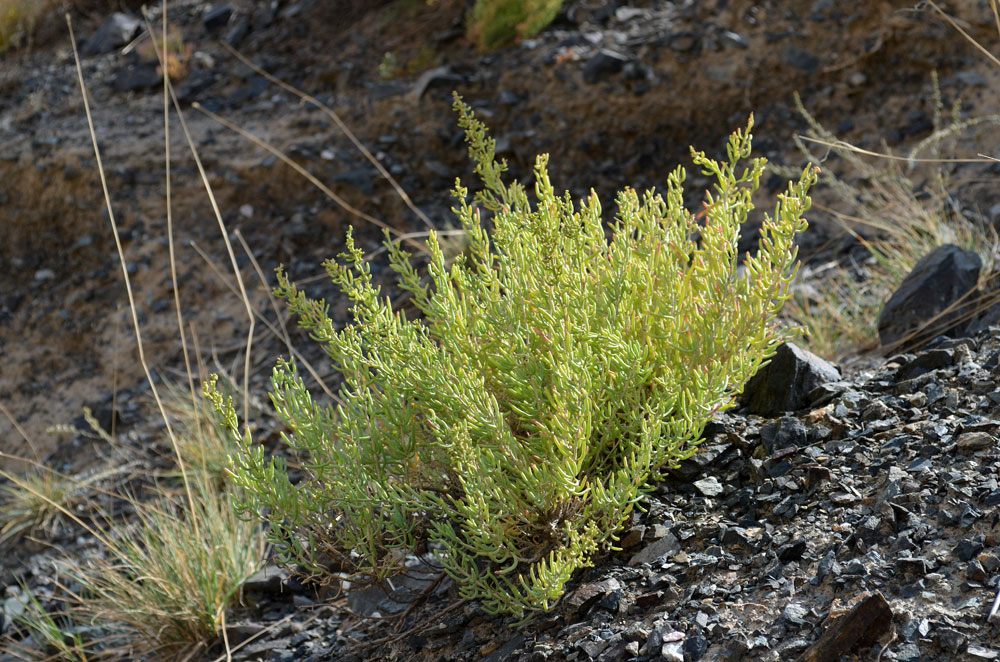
38, 500
161, 584
169, 576
553, 376
34, 501
167, 567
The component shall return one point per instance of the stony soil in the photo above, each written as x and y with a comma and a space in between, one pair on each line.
679, 73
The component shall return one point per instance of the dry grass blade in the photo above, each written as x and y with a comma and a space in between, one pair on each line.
169, 209
982, 49
832, 145
218, 217
202, 444
20, 430
896, 223
121, 257
267, 290
340, 124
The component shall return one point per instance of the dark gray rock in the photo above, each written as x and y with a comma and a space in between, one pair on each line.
792, 551
967, 549
925, 362
697, 464
785, 384
786, 432
909, 652
196, 82
217, 17
237, 33
592, 648
826, 392
118, 30
939, 280
442, 76
392, 596
506, 652
800, 59
605, 63
137, 77
589, 594
695, 647
274, 580
668, 544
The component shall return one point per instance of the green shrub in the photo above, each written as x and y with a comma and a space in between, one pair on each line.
494, 23
553, 376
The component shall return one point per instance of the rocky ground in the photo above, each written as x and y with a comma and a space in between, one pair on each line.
889, 490
864, 526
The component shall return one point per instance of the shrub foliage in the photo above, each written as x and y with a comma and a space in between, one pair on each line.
552, 375
494, 23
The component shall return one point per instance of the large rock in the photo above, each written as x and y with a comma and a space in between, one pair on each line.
118, 30
941, 278
785, 383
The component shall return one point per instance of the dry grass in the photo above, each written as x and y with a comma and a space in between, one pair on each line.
31, 503
169, 577
162, 582
200, 437
897, 222
164, 576
34, 503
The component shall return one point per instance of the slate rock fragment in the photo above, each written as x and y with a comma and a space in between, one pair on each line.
668, 544
938, 280
136, 77
603, 64
926, 362
269, 579
217, 17
800, 59
785, 384
786, 432
118, 30
590, 594
858, 629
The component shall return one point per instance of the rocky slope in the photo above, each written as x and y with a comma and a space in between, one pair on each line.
862, 526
